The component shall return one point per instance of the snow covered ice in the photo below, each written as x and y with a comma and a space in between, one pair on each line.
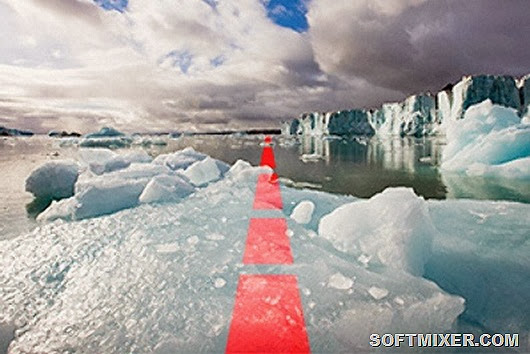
159, 274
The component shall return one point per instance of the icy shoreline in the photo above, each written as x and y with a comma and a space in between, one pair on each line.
163, 274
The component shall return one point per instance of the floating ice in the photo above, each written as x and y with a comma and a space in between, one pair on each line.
105, 197
106, 138
160, 277
377, 293
339, 281
393, 227
490, 140
104, 132
303, 212
112, 182
53, 180
219, 283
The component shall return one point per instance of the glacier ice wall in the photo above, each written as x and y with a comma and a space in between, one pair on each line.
418, 115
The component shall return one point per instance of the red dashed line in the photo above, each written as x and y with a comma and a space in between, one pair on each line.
268, 315
268, 195
267, 242
267, 157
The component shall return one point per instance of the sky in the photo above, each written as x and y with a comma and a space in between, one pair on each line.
204, 65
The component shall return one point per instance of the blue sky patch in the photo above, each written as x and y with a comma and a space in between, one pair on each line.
118, 5
179, 58
218, 61
211, 3
288, 13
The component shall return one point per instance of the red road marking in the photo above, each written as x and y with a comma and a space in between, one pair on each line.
268, 140
267, 157
268, 194
268, 316
267, 242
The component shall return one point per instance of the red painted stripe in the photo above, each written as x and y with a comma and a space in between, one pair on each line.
268, 194
268, 316
267, 242
267, 157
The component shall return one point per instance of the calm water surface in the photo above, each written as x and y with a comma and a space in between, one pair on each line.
358, 167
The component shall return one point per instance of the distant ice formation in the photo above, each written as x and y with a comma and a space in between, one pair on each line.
419, 115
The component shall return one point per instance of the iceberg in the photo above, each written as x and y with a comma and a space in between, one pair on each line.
104, 132
403, 241
418, 115
53, 180
14, 132
106, 137
491, 140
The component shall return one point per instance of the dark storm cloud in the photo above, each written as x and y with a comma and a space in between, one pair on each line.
424, 45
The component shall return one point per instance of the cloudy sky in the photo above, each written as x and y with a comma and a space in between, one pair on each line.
216, 64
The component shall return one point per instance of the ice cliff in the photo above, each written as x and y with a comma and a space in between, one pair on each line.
418, 115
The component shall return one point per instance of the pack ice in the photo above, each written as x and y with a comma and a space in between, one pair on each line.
109, 182
161, 277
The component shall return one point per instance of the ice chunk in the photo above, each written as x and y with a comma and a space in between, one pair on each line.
101, 160
53, 180
339, 281
303, 212
105, 132
181, 159
166, 188
489, 141
393, 227
167, 247
219, 283
62, 209
95, 199
377, 293
203, 172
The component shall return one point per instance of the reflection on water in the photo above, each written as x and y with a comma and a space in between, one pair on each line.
364, 167
360, 167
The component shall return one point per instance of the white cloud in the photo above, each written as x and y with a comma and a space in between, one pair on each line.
191, 64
